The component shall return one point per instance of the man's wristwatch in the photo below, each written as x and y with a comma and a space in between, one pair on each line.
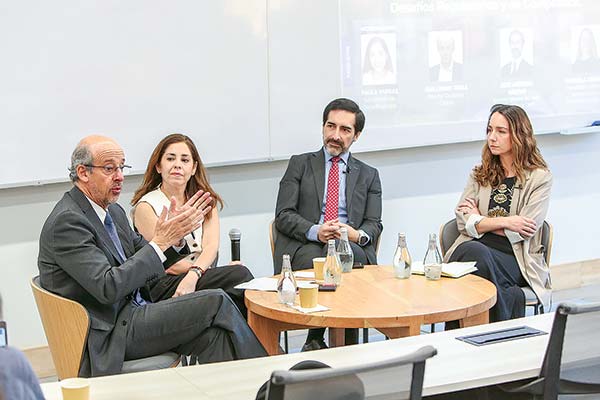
363, 238
198, 271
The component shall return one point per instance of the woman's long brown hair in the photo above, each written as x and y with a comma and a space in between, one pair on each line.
526, 155
198, 181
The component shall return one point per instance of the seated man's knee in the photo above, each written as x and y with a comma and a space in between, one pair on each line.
302, 258
212, 301
210, 295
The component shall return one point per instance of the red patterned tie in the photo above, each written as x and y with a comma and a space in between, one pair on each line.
333, 190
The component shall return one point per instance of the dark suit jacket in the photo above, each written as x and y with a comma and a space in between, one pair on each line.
525, 71
457, 74
300, 201
78, 260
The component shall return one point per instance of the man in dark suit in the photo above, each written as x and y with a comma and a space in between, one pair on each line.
447, 70
89, 253
517, 68
304, 218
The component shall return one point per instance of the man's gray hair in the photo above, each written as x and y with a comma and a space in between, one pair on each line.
81, 156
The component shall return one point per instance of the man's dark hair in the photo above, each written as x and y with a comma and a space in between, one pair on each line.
346, 105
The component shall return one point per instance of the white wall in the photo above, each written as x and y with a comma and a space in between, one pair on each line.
420, 189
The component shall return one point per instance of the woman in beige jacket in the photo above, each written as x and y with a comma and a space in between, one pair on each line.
501, 212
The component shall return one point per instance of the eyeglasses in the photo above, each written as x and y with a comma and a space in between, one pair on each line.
111, 169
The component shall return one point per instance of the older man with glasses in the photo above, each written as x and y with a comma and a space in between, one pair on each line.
90, 254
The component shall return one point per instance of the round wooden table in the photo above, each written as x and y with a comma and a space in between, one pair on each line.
373, 298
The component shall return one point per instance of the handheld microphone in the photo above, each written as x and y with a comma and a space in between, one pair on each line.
235, 235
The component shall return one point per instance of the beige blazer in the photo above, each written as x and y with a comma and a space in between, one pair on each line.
530, 199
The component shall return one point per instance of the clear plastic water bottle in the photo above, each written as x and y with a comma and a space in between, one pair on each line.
402, 260
344, 251
332, 270
432, 264
286, 285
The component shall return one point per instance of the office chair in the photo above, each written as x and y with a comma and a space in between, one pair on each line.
397, 378
66, 324
572, 361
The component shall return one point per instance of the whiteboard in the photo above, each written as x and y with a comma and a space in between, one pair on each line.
248, 79
134, 70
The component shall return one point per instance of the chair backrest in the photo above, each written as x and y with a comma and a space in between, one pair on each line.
572, 360
272, 236
547, 236
449, 233
66, 324
398, 378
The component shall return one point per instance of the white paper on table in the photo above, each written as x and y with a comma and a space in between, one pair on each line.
452, 270
264, 284
310, 310
305, 274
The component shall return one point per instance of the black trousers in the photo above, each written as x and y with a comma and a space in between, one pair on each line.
503, 271
225, 277
303, 260
206, 324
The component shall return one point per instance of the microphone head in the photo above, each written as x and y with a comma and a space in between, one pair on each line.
235, 234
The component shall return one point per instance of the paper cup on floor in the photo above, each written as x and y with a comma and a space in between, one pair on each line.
75, 389
308, 294
318, 264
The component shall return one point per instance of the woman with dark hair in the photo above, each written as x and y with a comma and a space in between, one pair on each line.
587, 54
501, 212
175, 170
378, 68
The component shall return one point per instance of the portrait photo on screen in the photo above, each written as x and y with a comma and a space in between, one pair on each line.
516, 53
445, 50
378, 55
584, 44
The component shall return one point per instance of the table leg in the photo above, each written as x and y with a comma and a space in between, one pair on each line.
266, 331
477, 319
337, 337
403, 331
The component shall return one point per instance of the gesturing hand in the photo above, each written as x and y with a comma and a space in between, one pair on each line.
176, 222
200, 200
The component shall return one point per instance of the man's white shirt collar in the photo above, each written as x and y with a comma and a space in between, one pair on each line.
101, 212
